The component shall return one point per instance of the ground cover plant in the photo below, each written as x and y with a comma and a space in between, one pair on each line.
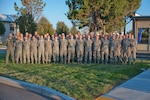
80, 81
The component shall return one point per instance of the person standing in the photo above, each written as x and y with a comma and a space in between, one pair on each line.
63, 49
33, 50
41, 50
119, 50
80, 49
133, 48
18, 52
129, 49
88, 50
71, 49
96, 49
10, 48
48, 50
55, 46
126, 46
113, 49
26, 50
105, 50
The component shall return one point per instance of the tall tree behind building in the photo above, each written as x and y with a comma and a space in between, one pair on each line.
131, 7
98, 14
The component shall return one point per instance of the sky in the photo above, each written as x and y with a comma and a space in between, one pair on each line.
55, 10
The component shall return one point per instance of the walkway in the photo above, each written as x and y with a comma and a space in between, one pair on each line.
18, 90
137, 88
8, 92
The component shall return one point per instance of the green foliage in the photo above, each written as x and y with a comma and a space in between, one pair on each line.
28, 14
80, 81
131, 7
2, 28
145, 33
73, 29
100, 14
32, 7
26, 24
62, 28
44, 26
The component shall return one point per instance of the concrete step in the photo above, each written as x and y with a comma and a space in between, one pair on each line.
141, 54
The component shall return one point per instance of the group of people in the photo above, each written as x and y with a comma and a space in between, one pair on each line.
80, 48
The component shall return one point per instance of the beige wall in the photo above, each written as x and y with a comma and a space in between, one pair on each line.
142, 47
7, 30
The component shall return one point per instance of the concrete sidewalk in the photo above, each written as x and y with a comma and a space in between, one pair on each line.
8, 92
137, 88
11, 89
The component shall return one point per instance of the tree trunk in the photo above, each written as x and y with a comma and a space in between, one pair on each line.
125, 26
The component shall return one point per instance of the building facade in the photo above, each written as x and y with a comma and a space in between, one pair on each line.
10, 24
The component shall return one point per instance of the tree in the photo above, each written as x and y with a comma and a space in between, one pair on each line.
44, 26
29, 14
97, 14
131, 7
62, 28
2, 28
32, 7
91, 13
73, 29
26, 24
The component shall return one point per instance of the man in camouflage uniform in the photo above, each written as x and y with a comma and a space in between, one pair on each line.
71, 48
80, 49
33, 49
26, 50
133, 48
10, 48
88, 49
63, 49
96, 49
113, 49
41, 50
126, 44
55, 46
18, 51
76, 38
104, 50
119, 50
48, 50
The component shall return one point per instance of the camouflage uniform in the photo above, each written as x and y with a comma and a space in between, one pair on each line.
96, 50
26, 51
113, 50
119, 51
71, 49
33, 49
126, 44
80, 50
133, 49
18, 51
10, 49
88, 50
63, 50
48, 50
41, 51
104, 50
55, 46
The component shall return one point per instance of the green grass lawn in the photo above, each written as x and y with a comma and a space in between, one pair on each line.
83, 82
